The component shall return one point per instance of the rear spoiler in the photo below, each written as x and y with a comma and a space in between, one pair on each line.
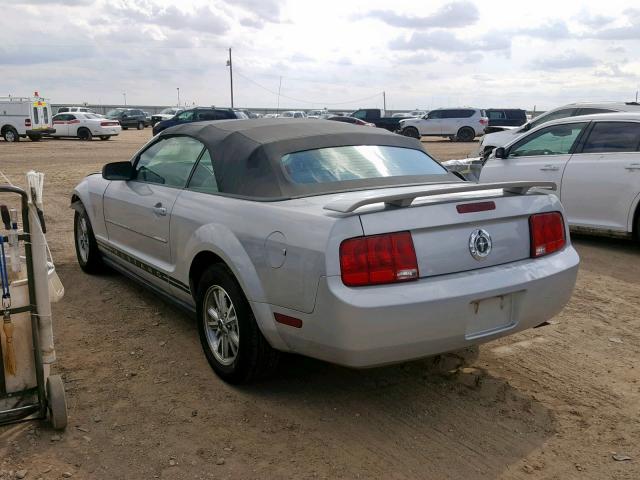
406, 197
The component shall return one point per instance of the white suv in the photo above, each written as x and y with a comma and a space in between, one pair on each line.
459, 124
595, 162
500, 139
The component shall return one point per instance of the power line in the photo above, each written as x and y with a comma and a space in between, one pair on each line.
310, 102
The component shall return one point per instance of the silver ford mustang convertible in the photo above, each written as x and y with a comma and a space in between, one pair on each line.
343, 243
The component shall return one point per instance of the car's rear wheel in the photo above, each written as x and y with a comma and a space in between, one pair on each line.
232, 342
105, 137
89, 257
35, 138
140, 125
84, 134
10, 135
465, 134
125, 128
411, 132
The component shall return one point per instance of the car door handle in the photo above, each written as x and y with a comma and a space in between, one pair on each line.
158, 209
633, 166
550, 168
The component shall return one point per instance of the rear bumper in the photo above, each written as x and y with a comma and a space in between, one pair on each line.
370, 326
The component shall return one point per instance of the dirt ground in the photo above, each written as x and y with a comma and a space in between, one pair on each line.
555, 403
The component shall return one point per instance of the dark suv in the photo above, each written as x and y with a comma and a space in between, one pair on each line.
505, 117
200, 114
128, 117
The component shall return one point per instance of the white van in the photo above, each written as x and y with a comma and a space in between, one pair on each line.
25, 117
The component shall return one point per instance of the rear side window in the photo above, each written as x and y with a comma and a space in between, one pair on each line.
613, 137
35, 115
516, 115
362, 162
45, 113
204, 177
496, 114
567, 112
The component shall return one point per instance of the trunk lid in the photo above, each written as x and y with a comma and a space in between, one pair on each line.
446, 240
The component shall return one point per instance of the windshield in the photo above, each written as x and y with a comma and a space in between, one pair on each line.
362, 162
169, 111
91, 115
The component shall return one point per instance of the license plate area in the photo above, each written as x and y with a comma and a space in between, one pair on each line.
491, 315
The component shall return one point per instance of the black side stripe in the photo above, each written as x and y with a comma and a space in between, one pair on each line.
145, 266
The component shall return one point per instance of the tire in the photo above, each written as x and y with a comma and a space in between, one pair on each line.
85, 134
10, 135
56, 402
254, 358
105, 137
125, 128
87, 252
35, 138
411, 132
140, 126
466, 134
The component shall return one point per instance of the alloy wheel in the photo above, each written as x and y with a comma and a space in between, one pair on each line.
221, 325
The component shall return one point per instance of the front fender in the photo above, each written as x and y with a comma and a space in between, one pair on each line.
87, 196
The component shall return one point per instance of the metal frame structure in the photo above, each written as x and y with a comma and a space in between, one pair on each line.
38, 409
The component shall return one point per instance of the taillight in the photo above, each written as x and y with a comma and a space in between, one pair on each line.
484, 121
27, 122
547, 233
108, 124
378, 259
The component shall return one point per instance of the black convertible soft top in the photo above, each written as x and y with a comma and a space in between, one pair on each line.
247, 154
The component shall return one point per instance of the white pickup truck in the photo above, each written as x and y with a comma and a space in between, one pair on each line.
25, 117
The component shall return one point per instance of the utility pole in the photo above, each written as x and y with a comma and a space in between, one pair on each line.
384, 101
230, 65
124, 94
279, 88
178, 89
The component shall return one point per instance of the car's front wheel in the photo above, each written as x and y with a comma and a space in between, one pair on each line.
105, 137
87, 252
140, 125
232, 342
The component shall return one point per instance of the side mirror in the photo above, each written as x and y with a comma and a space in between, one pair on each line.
500, 152
118, 171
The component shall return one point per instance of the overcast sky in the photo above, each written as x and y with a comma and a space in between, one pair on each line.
336, 53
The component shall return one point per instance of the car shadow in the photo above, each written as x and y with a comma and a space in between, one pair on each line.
434, 410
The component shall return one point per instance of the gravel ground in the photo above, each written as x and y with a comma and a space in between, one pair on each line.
556, 403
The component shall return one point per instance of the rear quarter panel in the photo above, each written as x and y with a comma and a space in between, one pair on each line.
275, 249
